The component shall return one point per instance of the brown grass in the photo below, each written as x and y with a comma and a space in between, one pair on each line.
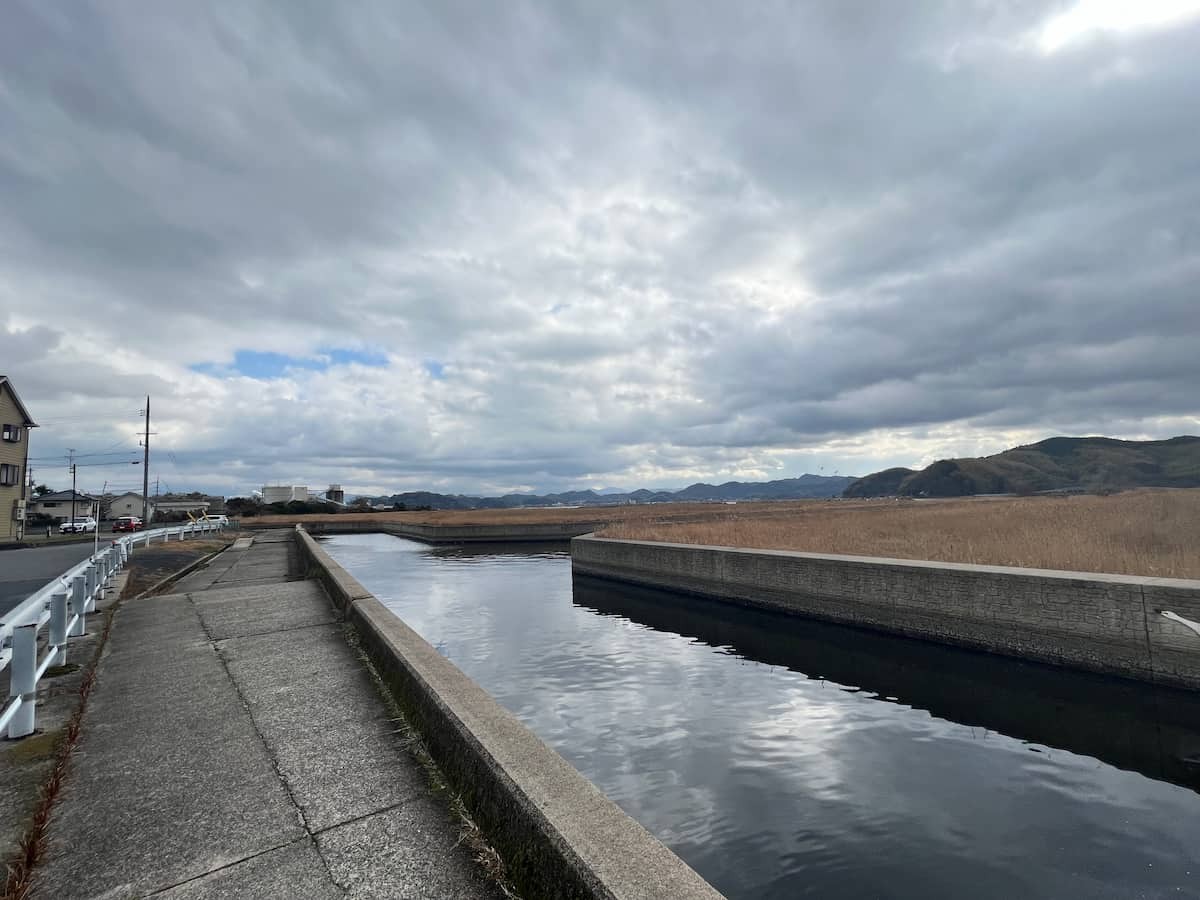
1135, 533
654, 513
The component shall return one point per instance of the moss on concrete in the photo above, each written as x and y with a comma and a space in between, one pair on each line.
36, 747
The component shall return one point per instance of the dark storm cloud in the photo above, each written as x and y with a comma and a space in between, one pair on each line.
638, 242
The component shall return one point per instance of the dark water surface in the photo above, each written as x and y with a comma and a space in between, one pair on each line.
783, 758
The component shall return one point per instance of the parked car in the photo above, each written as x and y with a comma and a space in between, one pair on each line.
78, 526
128, 523
215, 520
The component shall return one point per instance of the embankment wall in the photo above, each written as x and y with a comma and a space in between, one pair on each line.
1112, 624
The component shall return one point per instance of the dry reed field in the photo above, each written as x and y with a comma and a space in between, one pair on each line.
1150, 532
544, 515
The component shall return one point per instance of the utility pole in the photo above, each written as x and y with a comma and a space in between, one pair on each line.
146, 469
71, 463
96, 539
28, 498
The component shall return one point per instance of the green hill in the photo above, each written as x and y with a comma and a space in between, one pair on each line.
1086, 463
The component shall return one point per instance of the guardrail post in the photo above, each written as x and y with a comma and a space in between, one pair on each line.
101, 580
58, 624
22, 683
93, 573
78, 606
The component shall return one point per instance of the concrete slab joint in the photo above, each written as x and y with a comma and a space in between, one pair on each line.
214, 690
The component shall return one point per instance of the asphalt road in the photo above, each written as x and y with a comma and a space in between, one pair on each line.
24, 571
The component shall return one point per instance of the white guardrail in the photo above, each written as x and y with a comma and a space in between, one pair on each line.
63, 604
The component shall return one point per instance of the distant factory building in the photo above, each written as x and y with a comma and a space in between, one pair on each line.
284, 493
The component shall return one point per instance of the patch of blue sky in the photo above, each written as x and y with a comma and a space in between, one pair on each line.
436, 370
264, 365
341, 356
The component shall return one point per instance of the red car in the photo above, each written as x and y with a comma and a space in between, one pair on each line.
128, 523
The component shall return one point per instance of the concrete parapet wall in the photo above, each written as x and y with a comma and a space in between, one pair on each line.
559, 836
342, 587
1102, 623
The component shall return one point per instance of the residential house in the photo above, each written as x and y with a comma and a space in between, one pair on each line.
15, 423
58, 505
129, 504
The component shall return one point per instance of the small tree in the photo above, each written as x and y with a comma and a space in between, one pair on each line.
42, 490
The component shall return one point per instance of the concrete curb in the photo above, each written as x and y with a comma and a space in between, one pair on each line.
1112, 624
341, 586
559, 836
64, 542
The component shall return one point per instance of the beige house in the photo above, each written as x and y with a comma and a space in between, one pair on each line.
15, 423
129, 504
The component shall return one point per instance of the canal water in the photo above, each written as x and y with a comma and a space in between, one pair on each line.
783, 758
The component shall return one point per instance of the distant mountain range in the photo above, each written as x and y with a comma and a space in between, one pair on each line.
802, 488
1058, 463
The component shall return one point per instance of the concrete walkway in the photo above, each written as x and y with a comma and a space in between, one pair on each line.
234, 747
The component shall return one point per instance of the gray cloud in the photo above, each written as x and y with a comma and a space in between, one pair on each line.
629, 246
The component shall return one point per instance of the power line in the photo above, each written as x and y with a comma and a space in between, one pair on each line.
79, 455
91, 417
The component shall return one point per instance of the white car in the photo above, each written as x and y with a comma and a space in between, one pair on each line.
216, 520
78, 526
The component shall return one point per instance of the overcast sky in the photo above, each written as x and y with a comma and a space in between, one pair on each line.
484, 247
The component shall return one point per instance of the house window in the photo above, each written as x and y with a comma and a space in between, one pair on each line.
12, 434
9, 475
50, 504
